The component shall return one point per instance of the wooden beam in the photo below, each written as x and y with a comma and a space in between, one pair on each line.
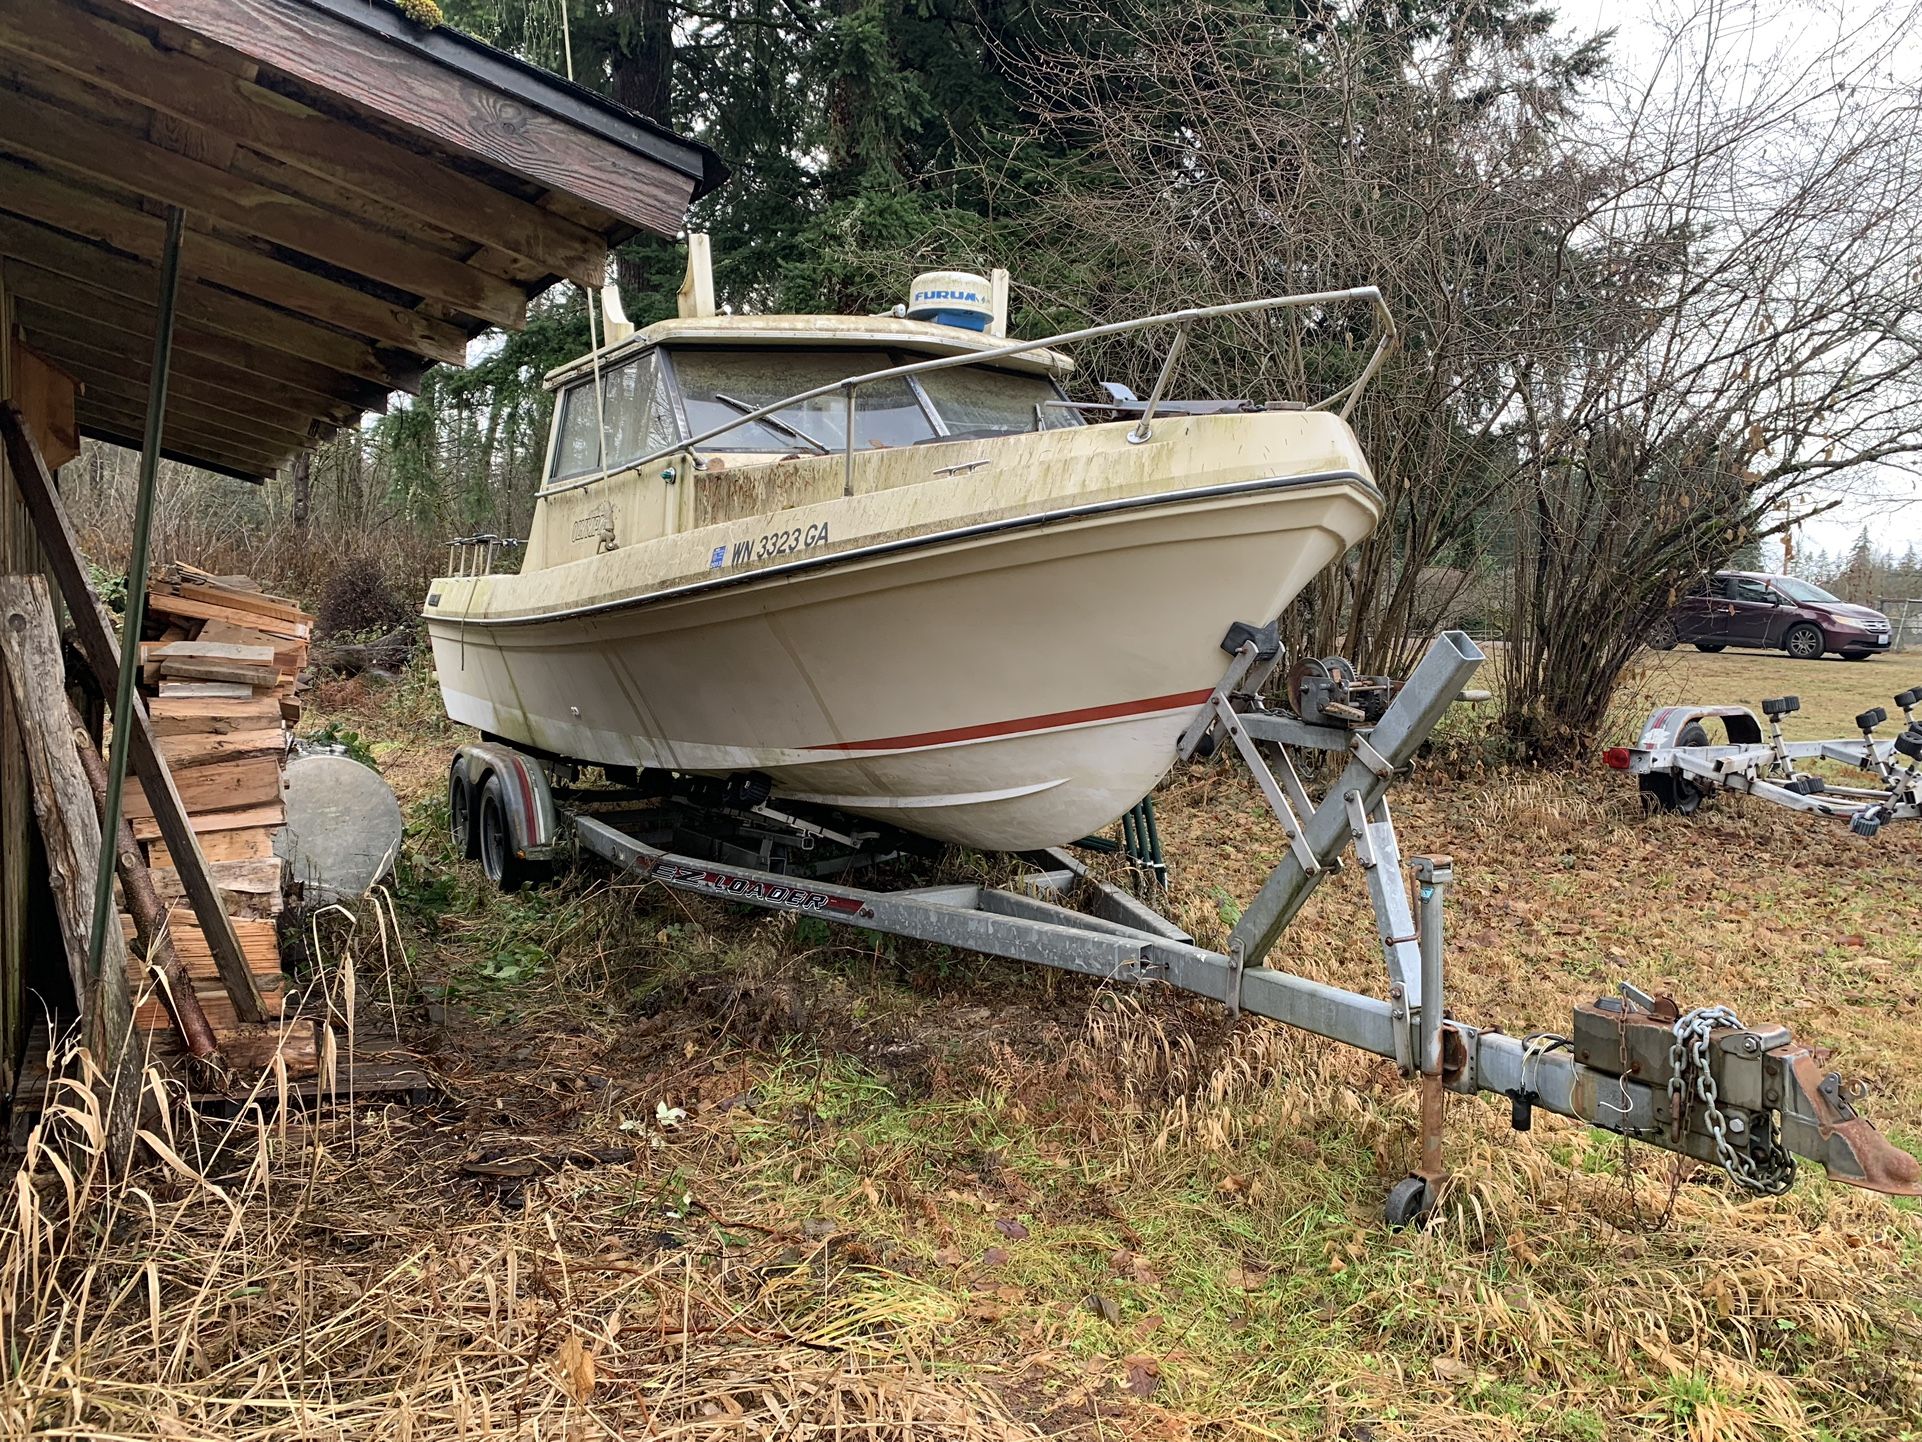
237, 400
125, 431
45, 263
102, 651
37, 195
257, 432
42, 131
186, 432
449, 108
188, 88
225, 362
70, 835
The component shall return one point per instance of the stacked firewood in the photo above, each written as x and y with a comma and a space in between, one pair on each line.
221, 678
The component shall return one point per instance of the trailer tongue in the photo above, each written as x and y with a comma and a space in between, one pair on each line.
1699, 1082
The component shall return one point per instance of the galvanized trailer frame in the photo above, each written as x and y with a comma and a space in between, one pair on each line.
1698, 1083
1679, 766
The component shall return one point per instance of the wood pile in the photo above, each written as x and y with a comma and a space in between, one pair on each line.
221, 680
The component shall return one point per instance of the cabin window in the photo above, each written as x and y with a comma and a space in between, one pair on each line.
635, 412
718, 386
975, 401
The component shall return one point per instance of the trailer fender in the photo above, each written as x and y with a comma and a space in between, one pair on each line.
528, 796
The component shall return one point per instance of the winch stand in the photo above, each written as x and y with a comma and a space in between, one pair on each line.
1698, 1083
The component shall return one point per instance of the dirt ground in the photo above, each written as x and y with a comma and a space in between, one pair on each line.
702, 1172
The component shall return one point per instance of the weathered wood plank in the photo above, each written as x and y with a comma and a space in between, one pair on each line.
76, 142
70, 837
102, 650
162, 603
193, 716
251, 844
120, 423
145, 910
209, 690
185, 752
259, 603
213, 257
243, 818
192, 668
449, 108
237, 652
249, 781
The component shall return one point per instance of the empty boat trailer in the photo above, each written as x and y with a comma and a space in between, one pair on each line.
1744, 1096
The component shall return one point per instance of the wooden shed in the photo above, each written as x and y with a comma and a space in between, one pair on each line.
356, 196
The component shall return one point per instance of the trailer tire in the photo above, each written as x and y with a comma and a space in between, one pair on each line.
506, 870
461, 830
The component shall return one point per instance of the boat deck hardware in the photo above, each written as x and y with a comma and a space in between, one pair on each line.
1698, 1082
1678, 765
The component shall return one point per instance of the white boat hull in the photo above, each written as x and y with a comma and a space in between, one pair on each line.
1004, 687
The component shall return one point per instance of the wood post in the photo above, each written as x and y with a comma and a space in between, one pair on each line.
70, 832
149, 913
102, 651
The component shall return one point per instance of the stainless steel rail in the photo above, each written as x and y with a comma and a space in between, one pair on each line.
1182, 320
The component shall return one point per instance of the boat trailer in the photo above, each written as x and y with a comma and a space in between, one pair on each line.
1679, 766
1698, 1082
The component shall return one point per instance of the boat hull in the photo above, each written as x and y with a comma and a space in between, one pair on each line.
1003, 686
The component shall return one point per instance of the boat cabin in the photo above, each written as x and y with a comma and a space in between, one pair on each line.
680, 379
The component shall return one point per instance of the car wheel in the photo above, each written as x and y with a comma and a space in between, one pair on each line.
1711, 646
460, 814
506, 870
1662, 637
1804, 642
1857, 655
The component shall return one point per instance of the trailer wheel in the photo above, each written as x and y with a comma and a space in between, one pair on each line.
1408, 1201
506, 870
460, 814
1675, 790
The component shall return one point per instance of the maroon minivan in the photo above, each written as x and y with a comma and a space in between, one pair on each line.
1745, 608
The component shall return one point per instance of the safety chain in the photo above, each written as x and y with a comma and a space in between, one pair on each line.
1775, 1172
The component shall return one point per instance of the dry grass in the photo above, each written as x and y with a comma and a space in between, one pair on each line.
914, 1194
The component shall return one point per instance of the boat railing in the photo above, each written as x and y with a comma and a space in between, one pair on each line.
1181, 321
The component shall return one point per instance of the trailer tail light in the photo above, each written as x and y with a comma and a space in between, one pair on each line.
1616, 757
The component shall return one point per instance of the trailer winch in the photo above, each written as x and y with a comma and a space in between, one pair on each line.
1693, 1081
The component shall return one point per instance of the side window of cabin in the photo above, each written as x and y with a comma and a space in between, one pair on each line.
635, 413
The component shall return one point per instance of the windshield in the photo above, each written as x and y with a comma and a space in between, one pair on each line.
635, 417
719, 386
972, 401
1803, 590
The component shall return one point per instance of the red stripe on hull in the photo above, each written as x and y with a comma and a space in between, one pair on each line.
1023, 723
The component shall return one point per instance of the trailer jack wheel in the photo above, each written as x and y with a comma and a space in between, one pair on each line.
1409, 1200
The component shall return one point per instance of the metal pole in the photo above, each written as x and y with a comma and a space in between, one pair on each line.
163, 340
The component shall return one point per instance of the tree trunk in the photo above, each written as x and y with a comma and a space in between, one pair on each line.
303, 476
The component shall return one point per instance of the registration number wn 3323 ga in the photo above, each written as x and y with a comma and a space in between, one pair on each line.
770, 546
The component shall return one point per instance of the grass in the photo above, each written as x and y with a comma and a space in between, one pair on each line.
913, 1194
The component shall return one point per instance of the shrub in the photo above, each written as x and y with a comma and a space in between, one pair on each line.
359, 598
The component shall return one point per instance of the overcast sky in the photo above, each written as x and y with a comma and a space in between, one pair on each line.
1888, 502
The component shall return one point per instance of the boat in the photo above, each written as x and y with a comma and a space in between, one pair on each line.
888, 565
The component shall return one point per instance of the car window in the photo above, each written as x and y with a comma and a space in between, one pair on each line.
1744, 589
1803, 590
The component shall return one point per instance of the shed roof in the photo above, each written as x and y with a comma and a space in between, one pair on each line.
363, 196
